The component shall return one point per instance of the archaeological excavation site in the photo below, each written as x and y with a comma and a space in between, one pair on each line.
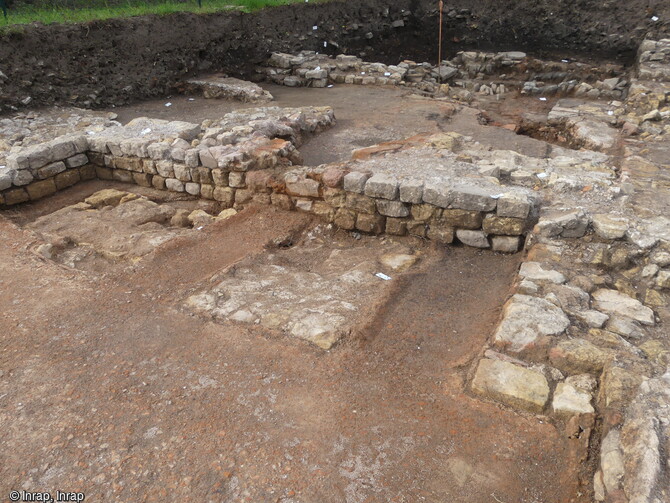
346, 251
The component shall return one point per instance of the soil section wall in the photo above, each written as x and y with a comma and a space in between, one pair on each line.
118, 61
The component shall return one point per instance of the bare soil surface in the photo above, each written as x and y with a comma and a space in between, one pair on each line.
110, 386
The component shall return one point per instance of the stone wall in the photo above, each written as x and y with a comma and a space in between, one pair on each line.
238, 161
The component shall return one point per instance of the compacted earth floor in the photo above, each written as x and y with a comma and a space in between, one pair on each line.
111, 385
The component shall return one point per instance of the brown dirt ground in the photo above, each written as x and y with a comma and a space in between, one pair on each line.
108, 386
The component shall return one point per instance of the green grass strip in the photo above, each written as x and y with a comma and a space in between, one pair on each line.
49, 15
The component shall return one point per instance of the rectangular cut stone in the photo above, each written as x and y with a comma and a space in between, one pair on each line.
67, 178
345, 219
51, 170
174, 185
225, 195
396, 226
462, 219
355, 181
76, 161
305, 187
86, 172
16, 196
392, 208
411, 191
511, 384
382, 186
44, 188
360, 203
505, 226
513, 206
128, 164
165, 168
61, 148
505, 244
472, 198
159, 151
182, 172
438, 193
374, 224
5, 178
122, 176
237, 180
441, 233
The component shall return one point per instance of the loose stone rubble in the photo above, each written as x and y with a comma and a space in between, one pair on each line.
582, 338
223, 87
468, 72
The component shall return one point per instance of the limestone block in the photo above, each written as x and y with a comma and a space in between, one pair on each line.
165, 168
282, 201
207, 159
302, 204
462, 219
424, 212
394, 209
225, 195
159, 151
526, 319
5, 178
122, 176
396, 227
16, 196
441, 233
572, 224
199, 218
301, 187
476, 239
243, 196
237, 179
506, 244
466, 197
360, 203
415, 228
76, 161
220, 177
334, 197
333, 177
510, 205
374, 224
511, 384
21, 177
51, 170
355, 181
207, 191
438, 193
569, 400
128, 164
181, 172
67, 179
609, 227
617, 303
103, 173
192, 188
142, 179
158, 182
105, 197
411, 191
505, 226
382, 186
534, 272
579, 355
174, 185
44, 188
345, 219
192, 157
323, 210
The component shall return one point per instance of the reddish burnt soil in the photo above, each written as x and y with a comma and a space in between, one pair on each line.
109, 387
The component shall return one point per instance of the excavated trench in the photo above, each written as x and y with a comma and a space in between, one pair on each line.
189, 345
